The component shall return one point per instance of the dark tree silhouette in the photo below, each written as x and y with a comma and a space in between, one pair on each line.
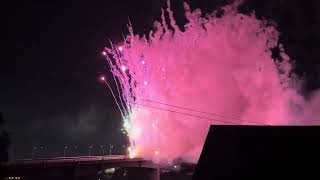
4, 144
4, 141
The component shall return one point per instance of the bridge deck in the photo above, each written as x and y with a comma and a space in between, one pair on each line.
79, 160
77, 167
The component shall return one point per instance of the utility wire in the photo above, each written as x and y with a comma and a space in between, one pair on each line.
213, 114
187, 114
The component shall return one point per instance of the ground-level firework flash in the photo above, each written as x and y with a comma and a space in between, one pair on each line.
218, 70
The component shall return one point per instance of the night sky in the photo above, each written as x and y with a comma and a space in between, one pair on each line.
51, 61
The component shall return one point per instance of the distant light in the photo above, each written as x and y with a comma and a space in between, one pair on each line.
145, 82
163, 69
109, 171
104, 53
142, 62
120, 48
174, 166
123, 68
156, 152
102, 78
14, 177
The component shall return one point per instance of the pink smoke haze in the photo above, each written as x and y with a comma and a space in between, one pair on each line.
220, 65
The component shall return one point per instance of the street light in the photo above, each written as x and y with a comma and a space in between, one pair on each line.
76, 150
65, 151
90, 147
42, 151
101, 146
34, 151
110, 149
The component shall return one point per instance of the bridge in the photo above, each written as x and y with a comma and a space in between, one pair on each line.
85, 167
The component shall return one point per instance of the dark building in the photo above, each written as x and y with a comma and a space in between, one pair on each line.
260, 151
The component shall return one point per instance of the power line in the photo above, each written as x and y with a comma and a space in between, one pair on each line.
213, 114
187, 114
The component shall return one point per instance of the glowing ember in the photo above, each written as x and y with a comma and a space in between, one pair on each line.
123, 68
220, 65
156, 152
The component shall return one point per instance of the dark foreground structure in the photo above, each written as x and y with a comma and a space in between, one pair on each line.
117, 167
260, 151
229, 151
82, 168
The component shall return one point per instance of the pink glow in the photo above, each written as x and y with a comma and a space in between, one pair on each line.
123, 68
120, 48
225, 68
102, 78
104, 53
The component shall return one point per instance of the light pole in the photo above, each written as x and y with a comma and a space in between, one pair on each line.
101, 146
76, 150
42, 151
65, 151
34, 148
90, 147
110, 149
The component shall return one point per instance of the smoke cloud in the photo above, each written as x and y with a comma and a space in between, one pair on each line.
221, 65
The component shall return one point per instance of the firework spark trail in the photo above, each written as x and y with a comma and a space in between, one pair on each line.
216, 64
121, 96
114, 97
